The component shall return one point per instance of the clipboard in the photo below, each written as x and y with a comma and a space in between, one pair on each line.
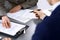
14, 32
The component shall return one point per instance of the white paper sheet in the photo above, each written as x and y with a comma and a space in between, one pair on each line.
13, 30
22, 15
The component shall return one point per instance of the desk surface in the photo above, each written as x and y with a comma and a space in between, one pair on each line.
29, 31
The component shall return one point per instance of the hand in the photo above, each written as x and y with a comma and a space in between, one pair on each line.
7, 38
5, 22
15, 9
39, 14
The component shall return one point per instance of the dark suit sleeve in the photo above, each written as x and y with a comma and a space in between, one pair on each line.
41, 32
29, 3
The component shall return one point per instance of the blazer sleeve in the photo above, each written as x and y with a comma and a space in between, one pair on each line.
29, 3
2, 8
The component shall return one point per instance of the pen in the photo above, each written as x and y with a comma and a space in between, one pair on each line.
34, 12
39, 10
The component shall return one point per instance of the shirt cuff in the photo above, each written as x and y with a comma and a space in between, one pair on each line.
48, 13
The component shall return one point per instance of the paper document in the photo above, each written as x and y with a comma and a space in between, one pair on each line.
13, 30
22, 15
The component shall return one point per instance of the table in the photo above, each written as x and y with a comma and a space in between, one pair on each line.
29, 31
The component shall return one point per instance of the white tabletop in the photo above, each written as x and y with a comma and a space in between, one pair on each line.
30, 31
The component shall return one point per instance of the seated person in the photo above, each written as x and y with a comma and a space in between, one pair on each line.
14, 6
49, 28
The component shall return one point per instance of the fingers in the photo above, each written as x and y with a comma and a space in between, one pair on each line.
6, 22
2, 23
6, 39
37, 16
38, 13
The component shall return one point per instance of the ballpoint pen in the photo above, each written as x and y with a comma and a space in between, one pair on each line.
34, 12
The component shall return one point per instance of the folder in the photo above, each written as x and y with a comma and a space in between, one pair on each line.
15, 30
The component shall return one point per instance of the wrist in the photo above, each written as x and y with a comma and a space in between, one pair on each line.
4, 16
42, 16
1, 17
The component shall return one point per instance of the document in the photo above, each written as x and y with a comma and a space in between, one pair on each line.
22, 15
13, 30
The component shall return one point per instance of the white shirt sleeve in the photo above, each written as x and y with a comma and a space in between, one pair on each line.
47, 12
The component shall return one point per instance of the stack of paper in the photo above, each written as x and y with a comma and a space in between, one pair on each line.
22, 15
13, 30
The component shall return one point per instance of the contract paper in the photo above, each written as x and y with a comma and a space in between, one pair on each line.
22, 15
13, 30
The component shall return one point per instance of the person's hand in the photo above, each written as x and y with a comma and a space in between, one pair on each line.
6, 38
15, 9
39, 14
5, 22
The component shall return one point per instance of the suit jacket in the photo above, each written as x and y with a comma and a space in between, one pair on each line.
8, 4
49, 28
